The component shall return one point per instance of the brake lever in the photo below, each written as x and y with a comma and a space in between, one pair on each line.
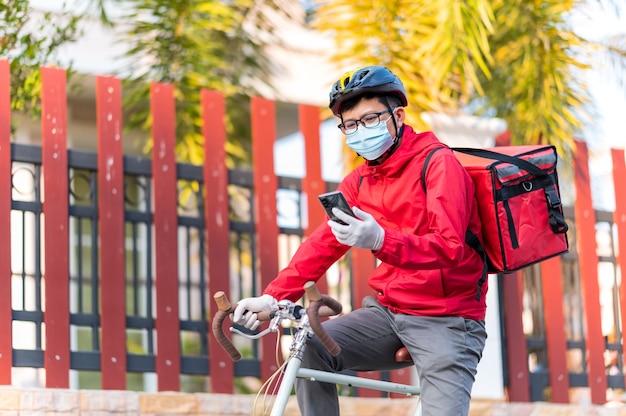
273, 327
286, 310
251, 336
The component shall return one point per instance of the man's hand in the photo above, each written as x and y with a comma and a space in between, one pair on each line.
246, 311
362, 232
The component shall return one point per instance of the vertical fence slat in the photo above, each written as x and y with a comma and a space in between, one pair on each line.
265, 187
56, 226
588, 264
363, 264
166, 235
217, 227
556, 341
515, 341
6, 340
619, 219
402, 376
111, 228
312, 183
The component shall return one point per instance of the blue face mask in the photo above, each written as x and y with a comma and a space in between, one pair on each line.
371, 143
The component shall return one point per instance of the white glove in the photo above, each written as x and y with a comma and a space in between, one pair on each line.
362, 232
246, 311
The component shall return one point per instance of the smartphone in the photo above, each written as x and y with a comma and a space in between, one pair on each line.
333, 199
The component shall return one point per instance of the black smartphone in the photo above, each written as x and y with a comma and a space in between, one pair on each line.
333, 199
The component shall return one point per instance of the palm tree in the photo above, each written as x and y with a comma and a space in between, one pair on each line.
196, 44
513, 59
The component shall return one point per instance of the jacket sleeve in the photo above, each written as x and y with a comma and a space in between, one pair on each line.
310, 261
449, 199
315, 255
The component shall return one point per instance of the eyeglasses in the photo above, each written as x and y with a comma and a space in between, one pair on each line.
368, 121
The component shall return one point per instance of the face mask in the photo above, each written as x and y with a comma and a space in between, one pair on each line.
371, 143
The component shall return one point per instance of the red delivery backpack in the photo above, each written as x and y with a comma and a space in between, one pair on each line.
519, 204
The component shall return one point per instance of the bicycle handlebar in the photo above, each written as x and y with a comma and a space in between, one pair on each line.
318, 300
224, 309
319, 306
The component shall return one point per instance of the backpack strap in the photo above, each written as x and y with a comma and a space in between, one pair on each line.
471, 239
426, 162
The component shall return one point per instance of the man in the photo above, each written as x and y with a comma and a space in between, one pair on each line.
429, 289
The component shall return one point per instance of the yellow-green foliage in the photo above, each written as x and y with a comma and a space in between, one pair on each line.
515, 59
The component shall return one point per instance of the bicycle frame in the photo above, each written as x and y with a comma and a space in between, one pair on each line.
294, 370
308, 326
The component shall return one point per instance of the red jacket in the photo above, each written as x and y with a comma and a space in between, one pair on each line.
426, 268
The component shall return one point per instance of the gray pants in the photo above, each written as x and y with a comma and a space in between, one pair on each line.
445, 350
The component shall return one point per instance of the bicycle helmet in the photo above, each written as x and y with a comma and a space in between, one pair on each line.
369, 79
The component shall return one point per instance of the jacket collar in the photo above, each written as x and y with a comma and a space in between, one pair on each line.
412, 145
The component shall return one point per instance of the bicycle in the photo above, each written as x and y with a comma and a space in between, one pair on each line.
309, 325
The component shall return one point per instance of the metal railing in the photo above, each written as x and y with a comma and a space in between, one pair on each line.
165, 341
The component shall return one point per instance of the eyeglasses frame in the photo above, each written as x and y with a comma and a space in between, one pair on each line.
360, 121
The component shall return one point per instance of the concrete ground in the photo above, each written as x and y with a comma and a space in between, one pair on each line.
62, 402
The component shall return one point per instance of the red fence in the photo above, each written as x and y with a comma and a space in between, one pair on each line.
6, 341
113, 353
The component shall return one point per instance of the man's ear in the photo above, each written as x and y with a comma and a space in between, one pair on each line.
400, 114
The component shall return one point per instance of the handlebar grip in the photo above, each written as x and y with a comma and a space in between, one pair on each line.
312, 292
317, 301
225, 308
223, 304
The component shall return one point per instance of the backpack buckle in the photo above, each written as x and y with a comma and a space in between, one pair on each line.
553, 198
